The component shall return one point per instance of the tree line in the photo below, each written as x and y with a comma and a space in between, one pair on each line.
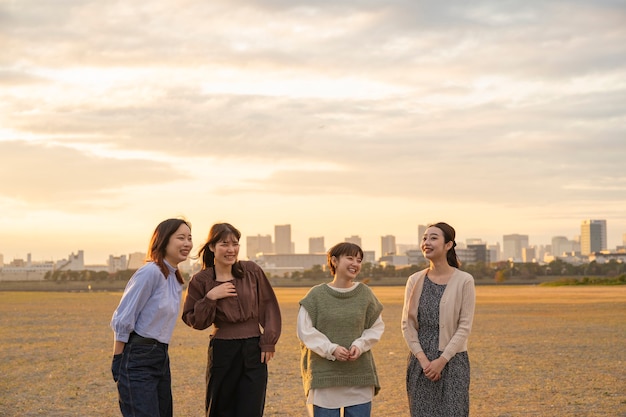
498, 271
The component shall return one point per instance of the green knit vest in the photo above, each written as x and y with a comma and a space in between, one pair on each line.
342, 317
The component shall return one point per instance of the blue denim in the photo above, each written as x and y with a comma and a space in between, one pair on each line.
359, 410
144, 382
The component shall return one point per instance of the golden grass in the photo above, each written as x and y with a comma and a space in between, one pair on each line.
534, 351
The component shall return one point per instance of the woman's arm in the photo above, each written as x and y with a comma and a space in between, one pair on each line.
198, 310
313, 338
466, 317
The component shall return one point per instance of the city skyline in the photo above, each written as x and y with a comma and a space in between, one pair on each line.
339, 118
376, 248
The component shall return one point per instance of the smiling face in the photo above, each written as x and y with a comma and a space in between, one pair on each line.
434, 246
347, 266
179, 245
226, 250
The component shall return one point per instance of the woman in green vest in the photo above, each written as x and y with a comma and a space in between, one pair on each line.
338, 323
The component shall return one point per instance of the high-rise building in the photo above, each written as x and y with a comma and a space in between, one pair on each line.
529, 254
282, 239
354, 239
258, 244
316, 245
592, 236
387, 245
421, 229
512, 246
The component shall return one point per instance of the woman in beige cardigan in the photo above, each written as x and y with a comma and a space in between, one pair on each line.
436, 322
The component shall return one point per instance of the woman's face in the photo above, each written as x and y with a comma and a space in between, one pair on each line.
348, 266
226, 250
433, 244
179, 245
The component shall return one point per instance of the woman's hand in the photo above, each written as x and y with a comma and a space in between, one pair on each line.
355, 353
266, 356
224, 290
434, 369
341, 354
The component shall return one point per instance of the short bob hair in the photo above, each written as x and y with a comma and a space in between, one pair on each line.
342, 249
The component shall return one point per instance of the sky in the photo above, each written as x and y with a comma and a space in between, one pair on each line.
340, 118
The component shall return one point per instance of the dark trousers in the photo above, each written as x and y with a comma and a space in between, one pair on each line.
144, 382
236, 379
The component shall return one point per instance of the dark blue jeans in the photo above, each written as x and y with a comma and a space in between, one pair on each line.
144, 382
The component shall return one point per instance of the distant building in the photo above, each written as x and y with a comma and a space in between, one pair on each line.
403, 248
395, 260
388, 245
513, 245
73, 263
258, 244
415, 257
421, 229
369, 256
316, 245
494, 252
136, 260
1, 261
117, 263
529, 254
473, 253
561, 245
354, 239
282, 239
592, 236
279, 264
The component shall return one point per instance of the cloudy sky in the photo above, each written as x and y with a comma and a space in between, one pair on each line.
338, 117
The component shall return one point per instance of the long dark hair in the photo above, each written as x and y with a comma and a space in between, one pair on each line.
218, 232
158, 244
448, 235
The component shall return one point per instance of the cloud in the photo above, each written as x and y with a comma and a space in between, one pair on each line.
59, 177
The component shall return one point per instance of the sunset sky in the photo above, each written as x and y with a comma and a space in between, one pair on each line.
338, 117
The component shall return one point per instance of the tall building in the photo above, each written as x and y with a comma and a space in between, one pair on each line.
592, 236
316, 245
512, 246
387, 245
354, 239
136, 260
282, 239
421, 229
562, 245
258, 244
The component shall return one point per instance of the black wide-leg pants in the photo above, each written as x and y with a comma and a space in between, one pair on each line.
236, 379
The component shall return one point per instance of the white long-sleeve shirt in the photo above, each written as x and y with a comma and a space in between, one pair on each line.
337, 397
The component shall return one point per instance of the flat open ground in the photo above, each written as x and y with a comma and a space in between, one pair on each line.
534, 351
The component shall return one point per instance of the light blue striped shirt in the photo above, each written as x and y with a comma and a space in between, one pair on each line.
149, 306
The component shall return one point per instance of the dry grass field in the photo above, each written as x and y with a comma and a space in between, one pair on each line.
534, 351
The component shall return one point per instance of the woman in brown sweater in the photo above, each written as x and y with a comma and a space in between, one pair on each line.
235, 298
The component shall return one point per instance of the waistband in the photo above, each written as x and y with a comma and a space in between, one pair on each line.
140, 340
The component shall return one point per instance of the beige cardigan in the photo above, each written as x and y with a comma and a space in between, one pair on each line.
456, 312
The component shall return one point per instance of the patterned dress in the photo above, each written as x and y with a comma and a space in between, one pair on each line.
448, 397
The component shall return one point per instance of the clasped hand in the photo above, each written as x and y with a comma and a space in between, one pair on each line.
433, 369
343, 354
